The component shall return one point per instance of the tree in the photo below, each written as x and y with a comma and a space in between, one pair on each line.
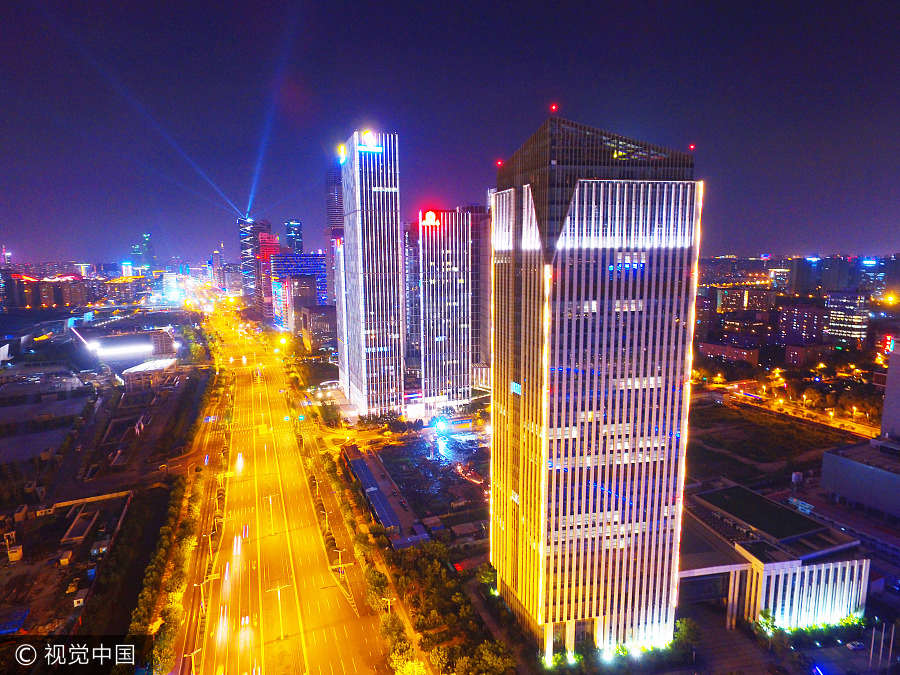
392, 627
781, 641
687, 633
812, 397
411, 668
486, 574
494, 657
439, 658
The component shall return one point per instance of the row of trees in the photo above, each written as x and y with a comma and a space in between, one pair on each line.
852, 400
143, 613
780, 641
454, 636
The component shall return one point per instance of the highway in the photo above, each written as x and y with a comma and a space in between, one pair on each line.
272, 605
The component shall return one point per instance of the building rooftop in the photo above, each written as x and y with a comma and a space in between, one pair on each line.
149, 366
701, 551
759, 513
767, 530
879, 453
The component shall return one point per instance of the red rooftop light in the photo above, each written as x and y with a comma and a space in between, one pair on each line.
692, 147
499, 162
554, 107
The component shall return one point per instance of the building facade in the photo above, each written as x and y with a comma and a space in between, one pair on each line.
799, 570
411, 287
293, 236
480, 253
596, 240
315, 263
267, 248
848, 317
334, 223
248, 235
445, 301
371, 325
802, 324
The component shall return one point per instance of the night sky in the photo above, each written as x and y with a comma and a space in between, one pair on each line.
793, 111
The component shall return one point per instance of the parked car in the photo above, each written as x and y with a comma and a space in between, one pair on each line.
856, 645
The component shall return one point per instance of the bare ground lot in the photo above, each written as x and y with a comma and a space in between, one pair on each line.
743, 443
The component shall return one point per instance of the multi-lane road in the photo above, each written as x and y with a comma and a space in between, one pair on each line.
271, 603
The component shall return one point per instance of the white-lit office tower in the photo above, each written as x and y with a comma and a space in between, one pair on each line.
370, 260
595, 239
445, 308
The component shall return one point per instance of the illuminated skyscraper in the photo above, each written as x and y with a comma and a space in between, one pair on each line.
445, 308
293, 236
371, 321
218, 268
848, 317
248, 232
334, 225
595, 244
268, 248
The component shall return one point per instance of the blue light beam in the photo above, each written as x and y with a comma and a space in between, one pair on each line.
156, 172
284, 52
120, 88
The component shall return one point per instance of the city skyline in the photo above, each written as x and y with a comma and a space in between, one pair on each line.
117, 155
347, 338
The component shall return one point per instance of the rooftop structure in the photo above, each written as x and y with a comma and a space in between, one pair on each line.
802, 571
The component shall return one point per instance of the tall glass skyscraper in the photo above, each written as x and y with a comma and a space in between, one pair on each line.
370, 311
248, 234
594, 276
445, 308
334, 223
293, 236
411, 280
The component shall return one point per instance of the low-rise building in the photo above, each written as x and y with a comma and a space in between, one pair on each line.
729, 352
148, 375
868, 474
797, 356
800, 570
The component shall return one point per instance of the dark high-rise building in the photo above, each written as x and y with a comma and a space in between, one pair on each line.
334, 222
143, 257
411, 276
596, 240
248, 233
839, 273
805, 275
293, 236
480, 251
